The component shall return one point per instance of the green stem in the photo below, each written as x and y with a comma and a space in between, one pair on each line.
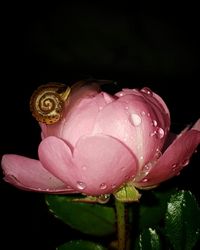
121, 224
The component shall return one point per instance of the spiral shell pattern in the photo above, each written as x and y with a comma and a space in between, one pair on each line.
46, 103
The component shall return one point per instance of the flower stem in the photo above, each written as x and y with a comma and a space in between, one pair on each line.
121, 224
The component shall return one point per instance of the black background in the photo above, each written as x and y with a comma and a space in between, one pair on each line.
149, 45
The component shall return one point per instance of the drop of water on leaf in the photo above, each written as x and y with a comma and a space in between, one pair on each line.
81, 185
103, 186
147, 91
136, 120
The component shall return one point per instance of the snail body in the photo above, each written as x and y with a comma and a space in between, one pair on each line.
47, 102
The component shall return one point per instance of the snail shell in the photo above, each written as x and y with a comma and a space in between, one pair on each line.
47, 102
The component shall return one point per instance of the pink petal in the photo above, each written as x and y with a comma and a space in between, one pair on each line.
80, 92
29, 174
136, 123
79, 122
152, 99
99, 164
174, 159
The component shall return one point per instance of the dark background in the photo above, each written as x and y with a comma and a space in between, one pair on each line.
149, 45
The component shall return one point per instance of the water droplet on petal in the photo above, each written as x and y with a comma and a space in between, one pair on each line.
100, 107
103, 186
154, 123
158, 154
185, 162
161, 133
113, 186
136, 120
141, 157
84, 168
144, 180
143, 113
153, 133
126, 107
81, 185
148, 114
146, 169
147, 91
174, 167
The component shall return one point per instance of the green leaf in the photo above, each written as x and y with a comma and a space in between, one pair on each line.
153, 206
93, 219
81, 245
148, 240
182, 222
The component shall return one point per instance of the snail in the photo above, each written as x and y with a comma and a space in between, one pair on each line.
47, 102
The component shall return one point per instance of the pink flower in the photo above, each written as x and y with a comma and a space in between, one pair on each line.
102, 142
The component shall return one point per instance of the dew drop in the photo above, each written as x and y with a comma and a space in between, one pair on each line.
143, 113
103, 186
144, 180
126, 107
185, 162
126, 177
161, 133
81, 185
141, 157
103, 198
174, 167
148, 114
153, 133
154, 123
147, 91
158, 154
100, 107
113, 186
84, 168
136, 120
